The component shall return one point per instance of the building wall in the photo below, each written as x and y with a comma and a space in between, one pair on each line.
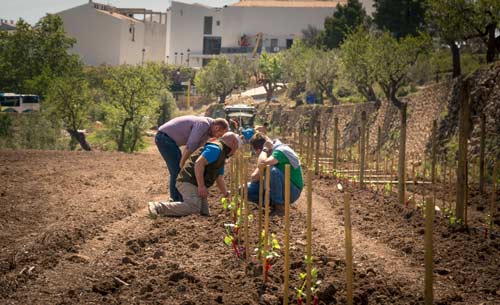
96, 33
155, 36
113, 39
185, 29
274, 22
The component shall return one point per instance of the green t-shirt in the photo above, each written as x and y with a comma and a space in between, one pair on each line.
295, 173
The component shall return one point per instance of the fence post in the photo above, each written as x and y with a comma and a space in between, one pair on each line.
379, 144
318, 147
463, 132
481, 153
309, 237
335, 141
348, 248
402, 155
362, 150
287, 234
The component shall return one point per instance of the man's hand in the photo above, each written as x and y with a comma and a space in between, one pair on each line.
202, 191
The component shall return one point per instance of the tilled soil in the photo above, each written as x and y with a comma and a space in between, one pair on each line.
74, 230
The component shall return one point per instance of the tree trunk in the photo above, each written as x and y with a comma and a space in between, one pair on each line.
80, 138
333, 100
121, 139
455, 55
222, 99
491, 46
269, 92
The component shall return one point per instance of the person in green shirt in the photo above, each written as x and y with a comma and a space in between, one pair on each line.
277, 155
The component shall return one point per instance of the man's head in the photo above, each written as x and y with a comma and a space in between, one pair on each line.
231, 140
219, 127
257, 142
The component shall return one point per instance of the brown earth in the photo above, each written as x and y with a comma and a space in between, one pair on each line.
74, 230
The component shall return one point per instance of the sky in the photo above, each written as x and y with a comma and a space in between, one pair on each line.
32, 10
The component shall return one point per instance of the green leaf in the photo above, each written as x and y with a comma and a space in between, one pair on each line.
228, 240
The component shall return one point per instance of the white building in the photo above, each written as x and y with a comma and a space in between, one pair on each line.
110, 35
203, 32
191, 34
7, 25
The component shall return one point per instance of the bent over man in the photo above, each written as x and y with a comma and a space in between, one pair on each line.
191, 131
277, 155
204, 168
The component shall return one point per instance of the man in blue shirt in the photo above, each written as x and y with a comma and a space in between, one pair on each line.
204, 168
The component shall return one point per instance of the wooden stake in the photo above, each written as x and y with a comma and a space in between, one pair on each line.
261, 193
444, 184
318, 142
287, 234
309, 237
379, 146
481, 153
247, 211
463, 132
402, 156
493, 208
433, 167
429, 263
301, 141
266, 218
335, 141
348, 247
362, 146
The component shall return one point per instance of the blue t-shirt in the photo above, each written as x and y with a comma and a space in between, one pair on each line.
211, 152
248, 133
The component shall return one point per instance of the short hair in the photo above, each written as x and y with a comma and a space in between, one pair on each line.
258, 140
221, 122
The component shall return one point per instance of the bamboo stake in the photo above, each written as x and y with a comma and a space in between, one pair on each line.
266, 218
402, 156
335, 141
493, 197
318, 142
444, 184
348, 248
433, 167
247, 211
309, 237
287, 234
379, 144
301, 141
261, 193
429, 263
463, 132
362, 146
481, 153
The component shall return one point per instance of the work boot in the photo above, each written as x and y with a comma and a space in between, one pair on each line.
205, 211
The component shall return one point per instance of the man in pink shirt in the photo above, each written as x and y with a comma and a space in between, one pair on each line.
190, 131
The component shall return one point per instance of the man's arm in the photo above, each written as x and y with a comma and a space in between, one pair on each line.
186, 152
199, 171
221, 184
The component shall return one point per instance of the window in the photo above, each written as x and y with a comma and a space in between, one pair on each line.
211, 45
289, 43
10, 101
207, 26
31, 99
217, 22
132, 31
274, 45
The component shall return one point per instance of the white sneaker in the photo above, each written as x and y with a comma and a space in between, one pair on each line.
153, 212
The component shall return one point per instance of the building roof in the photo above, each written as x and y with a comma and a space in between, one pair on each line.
118, 15
287, 3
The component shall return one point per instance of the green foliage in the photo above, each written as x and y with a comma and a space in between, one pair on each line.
5, 125
35, 130
131, 100
68, 99
31, 57
400, 17
322, 72
167, 106
220, 77
355, 62
311, 37
301, 293
392, 59
269, 72
345, 18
